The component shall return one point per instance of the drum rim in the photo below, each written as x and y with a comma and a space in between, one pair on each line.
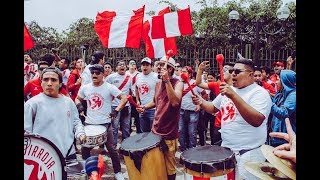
62, 159
130, 150
209, 166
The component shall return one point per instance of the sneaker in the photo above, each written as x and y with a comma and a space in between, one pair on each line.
119, 176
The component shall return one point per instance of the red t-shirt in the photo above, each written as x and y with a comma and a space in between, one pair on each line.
268, 87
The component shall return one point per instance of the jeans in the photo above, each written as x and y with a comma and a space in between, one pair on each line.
122, 120
188, 129
112, 151
205, 119
146, 120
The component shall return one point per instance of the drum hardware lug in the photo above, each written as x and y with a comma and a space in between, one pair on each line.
201, 170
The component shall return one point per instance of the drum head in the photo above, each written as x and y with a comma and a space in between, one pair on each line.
140, 141
42, 159
93, 130
208, 158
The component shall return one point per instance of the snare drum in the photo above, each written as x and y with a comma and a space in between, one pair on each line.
96, 135
76, 170
208, 162
143, 157
42, 159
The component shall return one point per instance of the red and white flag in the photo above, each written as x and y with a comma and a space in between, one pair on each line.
172, 24
157, 48
28, 42
117, 30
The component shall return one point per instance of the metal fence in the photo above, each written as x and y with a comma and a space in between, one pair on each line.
184, 57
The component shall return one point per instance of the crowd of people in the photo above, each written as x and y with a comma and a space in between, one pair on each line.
249, 107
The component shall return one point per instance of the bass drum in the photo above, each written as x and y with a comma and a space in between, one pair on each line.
42, 159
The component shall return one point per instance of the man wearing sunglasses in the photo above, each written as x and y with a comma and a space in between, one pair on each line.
245, 107
99, 95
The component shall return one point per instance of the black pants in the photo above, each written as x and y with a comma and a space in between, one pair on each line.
112, 151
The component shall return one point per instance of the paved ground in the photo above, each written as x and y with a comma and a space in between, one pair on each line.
109, 175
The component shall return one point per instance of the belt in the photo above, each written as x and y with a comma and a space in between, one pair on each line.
242, 151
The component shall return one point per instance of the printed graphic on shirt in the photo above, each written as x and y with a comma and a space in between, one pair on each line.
228, 112
95, 101
144, 89
41, 161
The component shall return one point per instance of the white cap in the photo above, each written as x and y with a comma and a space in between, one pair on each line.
171, 61
146, 59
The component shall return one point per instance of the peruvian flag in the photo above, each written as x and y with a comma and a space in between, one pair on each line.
172, 24
28, 42
157, 48
117, 30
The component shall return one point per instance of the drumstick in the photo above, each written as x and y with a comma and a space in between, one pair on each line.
131, 101
220, 58
184, 76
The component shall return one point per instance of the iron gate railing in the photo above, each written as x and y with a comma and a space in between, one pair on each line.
184, 57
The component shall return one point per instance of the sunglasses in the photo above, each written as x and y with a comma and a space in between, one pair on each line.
237, 71
95, 72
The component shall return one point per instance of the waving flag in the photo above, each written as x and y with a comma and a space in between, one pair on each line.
28, 42
117, 30
172, 24
157, 48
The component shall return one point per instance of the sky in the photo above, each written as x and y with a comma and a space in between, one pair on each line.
60, 14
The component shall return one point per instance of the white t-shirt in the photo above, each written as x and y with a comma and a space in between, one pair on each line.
186, 102
98, 101
236, 133
146, 85
117, 79
86, 75
65, 76
133, 84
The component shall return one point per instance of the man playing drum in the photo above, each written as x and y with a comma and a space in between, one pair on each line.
99, 95
245, 108
53, 115
167, 100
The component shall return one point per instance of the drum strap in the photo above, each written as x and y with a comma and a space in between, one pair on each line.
69, 150
246, 150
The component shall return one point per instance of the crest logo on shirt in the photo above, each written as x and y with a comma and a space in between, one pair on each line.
144, 89
228, 112
95, 101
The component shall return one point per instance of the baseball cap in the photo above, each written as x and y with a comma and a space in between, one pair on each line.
278, 63
132, 62
98, 67
146, 59
171, 61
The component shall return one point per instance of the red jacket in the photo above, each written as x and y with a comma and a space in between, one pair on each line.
72, 88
